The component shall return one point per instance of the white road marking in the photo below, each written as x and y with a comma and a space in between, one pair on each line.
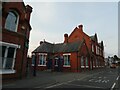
60, 84
91, 80
113, 86
106, 81
98, 80
117, 78
84, 86
55, 85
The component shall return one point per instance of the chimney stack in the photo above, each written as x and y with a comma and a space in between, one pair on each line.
80, 27
65, 38
41, 42
28, 12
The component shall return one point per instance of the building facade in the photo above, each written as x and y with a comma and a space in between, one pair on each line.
78, 52
15, 39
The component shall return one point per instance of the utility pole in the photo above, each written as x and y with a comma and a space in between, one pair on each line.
34, 71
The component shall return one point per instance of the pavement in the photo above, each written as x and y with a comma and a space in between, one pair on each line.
47, 78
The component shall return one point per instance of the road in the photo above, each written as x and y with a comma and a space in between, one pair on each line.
107, 79
98, 79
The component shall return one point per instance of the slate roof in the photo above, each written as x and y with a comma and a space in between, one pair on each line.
92, 37
46, 47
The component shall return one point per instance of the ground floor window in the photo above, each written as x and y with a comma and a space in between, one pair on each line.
97, 63
82, 61
42, 59
66, 58
86, 61
8, 56
56, 61
93, 63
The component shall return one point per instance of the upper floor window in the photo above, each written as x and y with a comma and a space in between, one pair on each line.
92, 48
96, 50
12, 21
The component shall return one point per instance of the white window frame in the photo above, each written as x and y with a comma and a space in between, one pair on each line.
82, 62
96, 50
87, 62
45, 58
96, 62
13, 11
66, 54
8, 71
56, 61
100, 51
33, 54
92, 48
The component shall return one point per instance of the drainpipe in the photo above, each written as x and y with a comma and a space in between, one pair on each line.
23, 51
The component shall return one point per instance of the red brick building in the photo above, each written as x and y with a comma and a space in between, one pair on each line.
15, 39
78, 52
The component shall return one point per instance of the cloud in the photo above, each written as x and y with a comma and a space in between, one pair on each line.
44, 11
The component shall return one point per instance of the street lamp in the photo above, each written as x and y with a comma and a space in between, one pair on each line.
34, 71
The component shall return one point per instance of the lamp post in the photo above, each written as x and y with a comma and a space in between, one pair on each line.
34, 71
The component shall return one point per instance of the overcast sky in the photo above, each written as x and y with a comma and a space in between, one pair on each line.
51, 20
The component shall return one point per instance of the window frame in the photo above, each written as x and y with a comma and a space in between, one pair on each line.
56, 61
68, 60
44, 59
33, 60
92, 47
82, 62
4, 70
96, 49
86, 62
17, 18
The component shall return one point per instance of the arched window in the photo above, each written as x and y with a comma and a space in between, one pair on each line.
12, 21
86, 61
82, 61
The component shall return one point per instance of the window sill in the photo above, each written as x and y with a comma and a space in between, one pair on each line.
7, 71
66, 65
41, 65
32, 64
87, 66
82, 66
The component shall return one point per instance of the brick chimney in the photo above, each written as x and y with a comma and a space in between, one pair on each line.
80, 27
41, 42
65, 38
28, 12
